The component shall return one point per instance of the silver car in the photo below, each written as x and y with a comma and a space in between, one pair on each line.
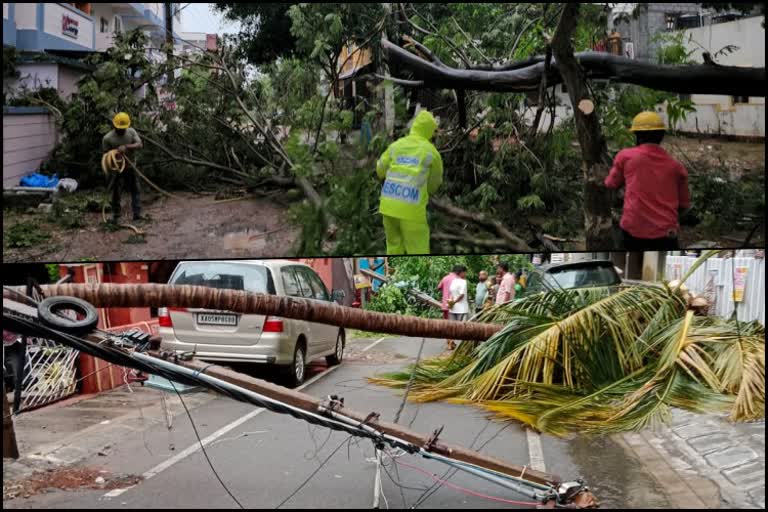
233, 337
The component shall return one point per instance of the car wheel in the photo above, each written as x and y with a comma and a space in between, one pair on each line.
338, 354
296, 371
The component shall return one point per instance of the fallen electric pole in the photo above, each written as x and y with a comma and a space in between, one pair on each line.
42, 320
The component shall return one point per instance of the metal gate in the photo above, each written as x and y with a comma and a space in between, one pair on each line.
49, 372
43, 371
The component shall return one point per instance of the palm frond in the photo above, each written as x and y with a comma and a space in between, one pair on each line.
601, 360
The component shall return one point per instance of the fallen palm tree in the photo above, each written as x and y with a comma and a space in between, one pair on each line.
601, 360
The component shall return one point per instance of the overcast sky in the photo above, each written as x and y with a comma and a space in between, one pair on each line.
201, 18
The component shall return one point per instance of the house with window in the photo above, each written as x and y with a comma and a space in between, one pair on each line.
49, 37
732, 38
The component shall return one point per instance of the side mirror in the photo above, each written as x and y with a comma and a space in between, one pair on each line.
338, 295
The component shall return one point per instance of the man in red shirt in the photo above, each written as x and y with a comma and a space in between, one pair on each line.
656, 188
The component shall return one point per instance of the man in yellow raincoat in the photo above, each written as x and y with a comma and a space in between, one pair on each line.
411, 169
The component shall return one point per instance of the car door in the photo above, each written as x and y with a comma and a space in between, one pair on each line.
320, 334
292, 288
328, 333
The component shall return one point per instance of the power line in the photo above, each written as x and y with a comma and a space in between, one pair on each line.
202, 447
322, 464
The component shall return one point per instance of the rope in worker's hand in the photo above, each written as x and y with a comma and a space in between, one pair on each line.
113, 161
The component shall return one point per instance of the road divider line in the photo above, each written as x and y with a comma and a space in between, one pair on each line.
194, 448
369, 347
535, 451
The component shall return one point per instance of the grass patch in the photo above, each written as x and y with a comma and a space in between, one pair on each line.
22, 235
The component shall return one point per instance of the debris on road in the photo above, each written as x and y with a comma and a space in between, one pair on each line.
66, 479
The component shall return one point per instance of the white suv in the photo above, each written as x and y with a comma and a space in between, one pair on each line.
234, 337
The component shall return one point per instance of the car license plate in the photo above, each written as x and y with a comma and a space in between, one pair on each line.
216, 319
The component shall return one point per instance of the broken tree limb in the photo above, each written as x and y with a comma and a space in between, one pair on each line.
526, 76
495, 244
398, 81
598, 220
157, 295
515, 242
423, 297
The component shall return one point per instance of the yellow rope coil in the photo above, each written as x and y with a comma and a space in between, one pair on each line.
113, 161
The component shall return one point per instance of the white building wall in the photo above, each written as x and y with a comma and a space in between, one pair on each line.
25, 16
720, 114
35, 76
27, 140
5, 11
52, 24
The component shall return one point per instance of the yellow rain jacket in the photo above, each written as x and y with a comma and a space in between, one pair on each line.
411, 169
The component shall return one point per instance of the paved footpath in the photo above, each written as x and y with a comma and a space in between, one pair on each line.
732, 456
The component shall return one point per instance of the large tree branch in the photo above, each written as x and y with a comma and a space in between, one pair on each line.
514, 242
526, 76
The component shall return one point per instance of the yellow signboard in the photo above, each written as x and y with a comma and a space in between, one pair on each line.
739, 283
361, 282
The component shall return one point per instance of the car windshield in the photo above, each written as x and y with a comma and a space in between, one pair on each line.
230, 276
567, 278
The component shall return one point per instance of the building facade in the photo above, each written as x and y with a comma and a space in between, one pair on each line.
79, 27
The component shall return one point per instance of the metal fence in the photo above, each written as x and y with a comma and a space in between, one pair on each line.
718, 277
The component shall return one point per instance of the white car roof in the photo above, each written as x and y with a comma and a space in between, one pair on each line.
272, 263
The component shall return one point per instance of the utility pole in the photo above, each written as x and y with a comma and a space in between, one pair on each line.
169, 40
10, 448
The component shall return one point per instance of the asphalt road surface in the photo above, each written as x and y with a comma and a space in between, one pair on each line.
264, 457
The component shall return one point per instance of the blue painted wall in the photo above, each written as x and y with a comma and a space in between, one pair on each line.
9, 27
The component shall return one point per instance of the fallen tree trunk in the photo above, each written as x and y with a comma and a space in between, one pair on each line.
598, 222
527, 75
158, 295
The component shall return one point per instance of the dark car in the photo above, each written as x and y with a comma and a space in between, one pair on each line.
564, 276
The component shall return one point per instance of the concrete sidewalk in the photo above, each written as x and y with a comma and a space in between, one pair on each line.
81, 427
704, 448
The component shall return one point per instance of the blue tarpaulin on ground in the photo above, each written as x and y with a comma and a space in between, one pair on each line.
39, 180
